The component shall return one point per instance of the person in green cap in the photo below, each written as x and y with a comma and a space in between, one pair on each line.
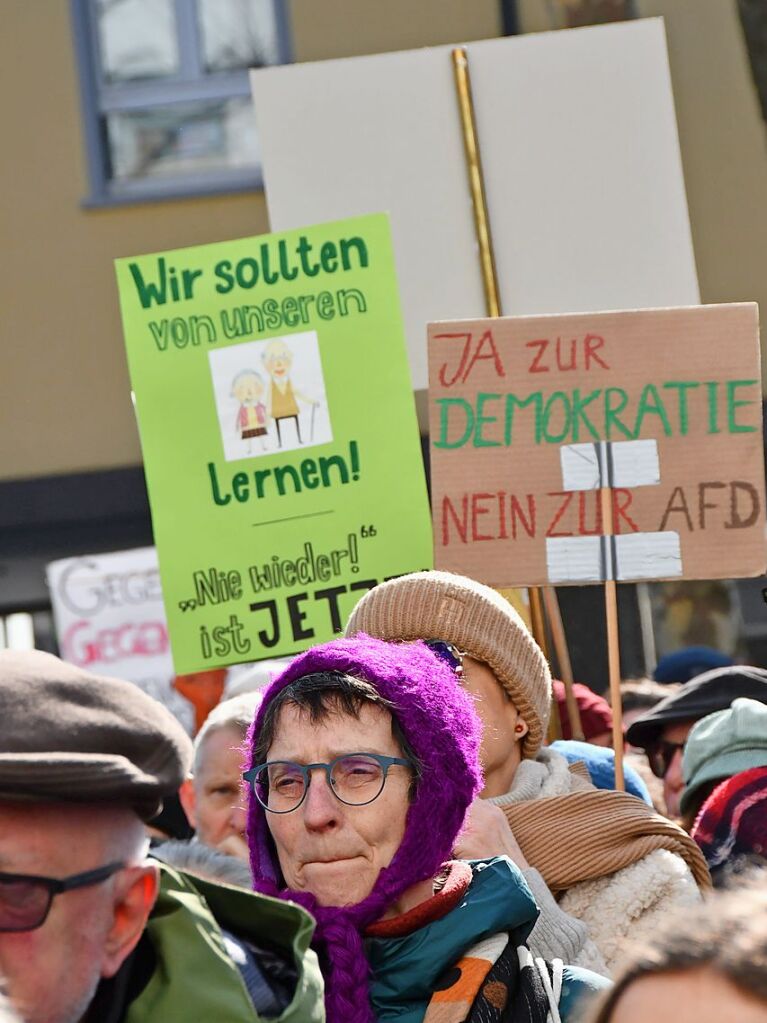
719, 746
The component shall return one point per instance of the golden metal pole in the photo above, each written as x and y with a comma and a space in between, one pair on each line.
476, 180
486, 257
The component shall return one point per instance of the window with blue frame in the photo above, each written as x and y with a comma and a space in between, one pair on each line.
166, 95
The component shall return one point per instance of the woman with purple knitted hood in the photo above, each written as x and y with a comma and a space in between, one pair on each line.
364, 758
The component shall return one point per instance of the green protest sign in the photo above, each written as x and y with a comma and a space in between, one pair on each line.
279, 434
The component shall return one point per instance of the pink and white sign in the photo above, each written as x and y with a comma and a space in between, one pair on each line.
110, 619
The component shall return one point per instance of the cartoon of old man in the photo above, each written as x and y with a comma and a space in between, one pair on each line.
283, 397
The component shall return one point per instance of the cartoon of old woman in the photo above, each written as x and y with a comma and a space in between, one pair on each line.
248, 389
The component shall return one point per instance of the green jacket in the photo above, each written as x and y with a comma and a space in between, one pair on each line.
405, 970
194, 979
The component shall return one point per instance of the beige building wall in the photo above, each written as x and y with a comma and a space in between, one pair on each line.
64, 391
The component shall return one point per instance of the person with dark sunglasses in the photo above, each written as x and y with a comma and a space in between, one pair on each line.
662, 732
92, 928
26, 899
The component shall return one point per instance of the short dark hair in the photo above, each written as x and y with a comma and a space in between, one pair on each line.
726, 934
321, 694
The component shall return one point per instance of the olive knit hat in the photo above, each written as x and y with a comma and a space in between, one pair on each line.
474, 618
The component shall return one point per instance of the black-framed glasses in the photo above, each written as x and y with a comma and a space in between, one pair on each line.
25, 899
356, 779
449, 653
660, 755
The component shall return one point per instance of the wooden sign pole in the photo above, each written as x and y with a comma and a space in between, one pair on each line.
563, 658
493, 306
613, 644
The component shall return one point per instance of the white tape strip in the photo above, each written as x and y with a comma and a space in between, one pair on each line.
649, 556
574, 559
588, 559
635, 463
580, 466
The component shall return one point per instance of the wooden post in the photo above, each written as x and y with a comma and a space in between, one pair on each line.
559, 642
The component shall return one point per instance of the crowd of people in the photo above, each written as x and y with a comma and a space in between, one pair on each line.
384, 833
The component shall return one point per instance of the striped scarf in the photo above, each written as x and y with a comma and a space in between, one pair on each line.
576, 836
498, 981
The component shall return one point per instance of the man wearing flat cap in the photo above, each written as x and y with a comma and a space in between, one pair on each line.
662, 732
90, 928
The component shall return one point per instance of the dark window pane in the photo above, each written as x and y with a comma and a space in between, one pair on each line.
137, 39
238, 33
182, 138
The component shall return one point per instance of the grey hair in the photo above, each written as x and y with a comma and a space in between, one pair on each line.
275, 345
236, 714
243, 373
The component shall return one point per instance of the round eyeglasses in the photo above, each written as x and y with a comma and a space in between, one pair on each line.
356, 779
25, 899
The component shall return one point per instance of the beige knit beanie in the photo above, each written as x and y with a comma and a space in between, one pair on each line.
474, 618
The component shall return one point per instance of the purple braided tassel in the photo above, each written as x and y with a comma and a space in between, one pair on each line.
347, 990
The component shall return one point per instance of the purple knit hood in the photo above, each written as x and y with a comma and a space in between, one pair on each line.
440, 723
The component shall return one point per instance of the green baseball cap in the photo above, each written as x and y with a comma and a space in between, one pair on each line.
724, 744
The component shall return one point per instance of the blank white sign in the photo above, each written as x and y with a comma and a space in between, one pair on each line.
581, 160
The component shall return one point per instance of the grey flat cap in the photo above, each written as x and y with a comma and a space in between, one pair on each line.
69, 736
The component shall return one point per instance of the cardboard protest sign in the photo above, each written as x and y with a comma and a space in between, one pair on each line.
110, 619
531, 416
580, 156
279, 434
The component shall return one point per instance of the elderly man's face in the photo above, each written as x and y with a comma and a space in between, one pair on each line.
279, 362
53, 971
325, 847
214, 799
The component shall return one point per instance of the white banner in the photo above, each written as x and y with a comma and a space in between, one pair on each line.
110, 620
